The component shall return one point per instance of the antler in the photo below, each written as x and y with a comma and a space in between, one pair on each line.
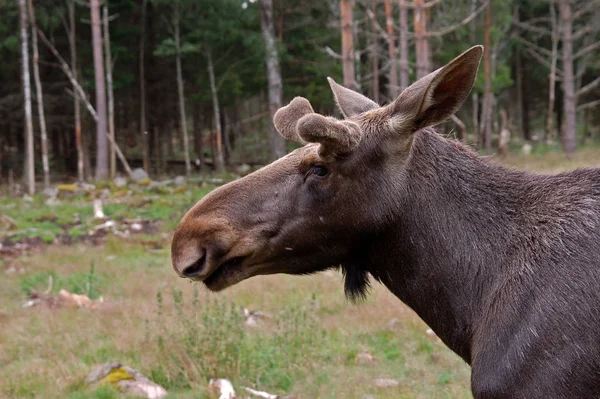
298, 122
337, 138
287, 117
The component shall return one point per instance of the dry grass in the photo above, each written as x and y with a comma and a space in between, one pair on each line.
161, 325
47, 352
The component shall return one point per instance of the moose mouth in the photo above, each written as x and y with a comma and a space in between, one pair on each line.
226, 274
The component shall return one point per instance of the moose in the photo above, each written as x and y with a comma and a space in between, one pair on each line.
503, 264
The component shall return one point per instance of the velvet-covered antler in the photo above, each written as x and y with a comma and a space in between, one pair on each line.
298, 122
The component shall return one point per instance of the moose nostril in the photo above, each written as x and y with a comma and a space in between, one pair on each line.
195, 268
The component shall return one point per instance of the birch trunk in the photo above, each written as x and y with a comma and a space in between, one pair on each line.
109, 88
487, 100
76, 104
40, 95
347, 44
143, 124
552, 76
29, 172
277, 143
403, 45
568, 136
65, 67
180, 92
101, 125
218, 156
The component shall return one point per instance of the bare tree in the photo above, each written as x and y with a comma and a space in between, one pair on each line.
101, 142
180, 89
218, 158
393, 76
421, 39
142, 78
488, 100
552, 75
568, 133
81, 94
403, 45
277, 143
109, 88
347, 44
29, 172
76, 104
40, 95
374, 54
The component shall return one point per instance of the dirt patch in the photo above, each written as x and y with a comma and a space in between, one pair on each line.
13, 248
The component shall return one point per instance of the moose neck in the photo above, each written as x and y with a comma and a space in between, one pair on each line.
443, 252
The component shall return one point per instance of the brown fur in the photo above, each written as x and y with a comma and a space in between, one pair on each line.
502, 264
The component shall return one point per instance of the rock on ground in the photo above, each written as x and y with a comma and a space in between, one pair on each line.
139, 174
127, 380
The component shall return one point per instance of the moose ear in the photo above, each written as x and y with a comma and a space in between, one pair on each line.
435, 97
350, 102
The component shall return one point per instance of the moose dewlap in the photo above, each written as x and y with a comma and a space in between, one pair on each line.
503, 265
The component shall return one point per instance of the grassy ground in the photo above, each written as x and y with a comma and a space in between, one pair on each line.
180, 335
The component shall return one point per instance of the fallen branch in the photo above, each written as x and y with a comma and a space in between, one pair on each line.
67, 70
260, 394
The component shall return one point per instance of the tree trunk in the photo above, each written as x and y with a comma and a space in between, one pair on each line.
552, 77
218, 156
374, 56
393, 77
198, 144
93, 112
40, 95
180, 92
111, 101
568, 136
277, 142
487, 99
76, 105
29, 172
403, 45
143, 116
347, 44
101, 142
519, 88
476, 130
421, 40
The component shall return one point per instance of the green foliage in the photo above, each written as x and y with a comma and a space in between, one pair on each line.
87, 283
212, 340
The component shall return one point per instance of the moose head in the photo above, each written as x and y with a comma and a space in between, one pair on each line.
317, 207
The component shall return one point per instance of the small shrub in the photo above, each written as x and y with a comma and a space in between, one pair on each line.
209, 340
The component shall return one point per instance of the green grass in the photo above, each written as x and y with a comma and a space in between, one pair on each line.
180, 335
36, 219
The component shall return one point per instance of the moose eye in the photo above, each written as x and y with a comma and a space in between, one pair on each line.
319, 170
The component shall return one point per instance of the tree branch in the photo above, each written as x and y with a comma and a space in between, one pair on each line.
465, 21
67, 70
381, 31
588, 105
532, 28
589, 87
586, 50
534, 46
589, 6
